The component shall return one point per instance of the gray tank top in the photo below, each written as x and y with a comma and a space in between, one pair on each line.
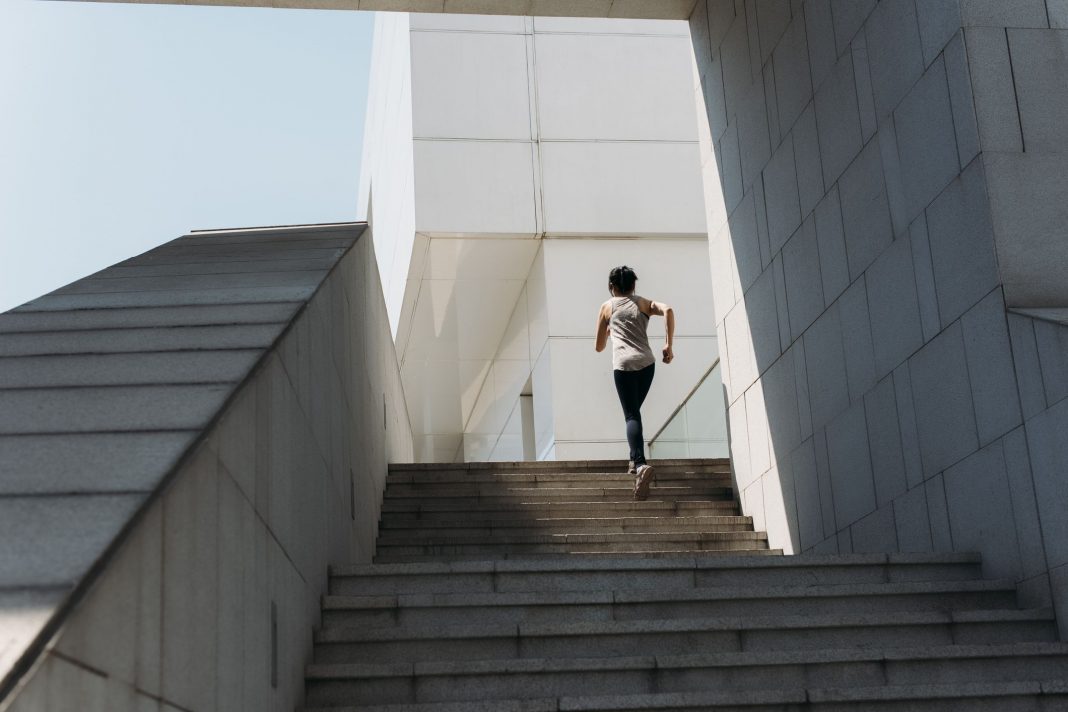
630, 344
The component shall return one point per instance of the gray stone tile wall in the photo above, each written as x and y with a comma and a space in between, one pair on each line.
183, 468
927, 146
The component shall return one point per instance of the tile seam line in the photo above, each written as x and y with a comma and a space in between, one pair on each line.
23, 664
172, 290
161, 263
153, 431
105, 275
76, 354
146, 307
179, 275
143, 307
111, 386
97, 330
72, 493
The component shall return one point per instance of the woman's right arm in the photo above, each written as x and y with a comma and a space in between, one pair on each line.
603, 317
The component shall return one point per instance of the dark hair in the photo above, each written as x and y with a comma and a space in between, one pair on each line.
623, 279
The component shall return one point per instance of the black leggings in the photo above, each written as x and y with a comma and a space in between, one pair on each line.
632, 387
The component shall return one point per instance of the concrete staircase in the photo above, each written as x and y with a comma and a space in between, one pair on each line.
522, 587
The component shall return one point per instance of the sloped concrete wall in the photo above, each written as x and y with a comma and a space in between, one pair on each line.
875, 400
193, 586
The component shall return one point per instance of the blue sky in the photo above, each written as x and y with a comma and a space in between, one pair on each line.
124, 126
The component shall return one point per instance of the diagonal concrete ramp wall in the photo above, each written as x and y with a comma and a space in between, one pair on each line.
186, 439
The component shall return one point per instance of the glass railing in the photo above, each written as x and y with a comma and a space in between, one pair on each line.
698, 427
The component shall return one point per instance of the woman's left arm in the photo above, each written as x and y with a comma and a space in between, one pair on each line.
665, 310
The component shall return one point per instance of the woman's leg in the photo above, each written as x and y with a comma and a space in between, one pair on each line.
632, 388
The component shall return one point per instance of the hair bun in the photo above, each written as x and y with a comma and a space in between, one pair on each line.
623, 278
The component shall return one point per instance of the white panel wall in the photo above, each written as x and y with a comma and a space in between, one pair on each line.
613, 87
470, 85
474, 188
671, 271
597, 26
622, 188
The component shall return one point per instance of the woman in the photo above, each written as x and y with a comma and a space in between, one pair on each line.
626, 316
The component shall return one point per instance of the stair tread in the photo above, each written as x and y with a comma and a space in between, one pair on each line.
547, 524
507, 508
355, 634
641, 563
708, 593
733, 698
556, 465
576, 555
567, 537
479, 557
662, 473
661, 662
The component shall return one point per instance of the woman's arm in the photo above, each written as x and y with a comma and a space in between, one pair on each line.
602, 327
665, 310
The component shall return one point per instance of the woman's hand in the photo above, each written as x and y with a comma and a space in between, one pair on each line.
669, 355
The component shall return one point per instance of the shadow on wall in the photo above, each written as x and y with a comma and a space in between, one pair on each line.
451, 360
880, 398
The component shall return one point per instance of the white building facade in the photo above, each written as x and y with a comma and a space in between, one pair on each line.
510, 163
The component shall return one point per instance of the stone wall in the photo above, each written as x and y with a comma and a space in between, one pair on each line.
876, 400
171, 556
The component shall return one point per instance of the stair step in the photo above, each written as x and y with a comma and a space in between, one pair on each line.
515, 540
575, 555
496, 527
1025, 696
600, 573
495, 489
562, 479
555, 465
644, 604
550, 531
466, 509
573, 495
523, 587
547, 677
681, 636
483, 550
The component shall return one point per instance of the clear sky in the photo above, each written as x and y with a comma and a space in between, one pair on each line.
124, 126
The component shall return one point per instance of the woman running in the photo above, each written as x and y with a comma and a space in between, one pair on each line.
626, 317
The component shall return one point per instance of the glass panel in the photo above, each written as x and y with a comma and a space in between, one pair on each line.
699, 428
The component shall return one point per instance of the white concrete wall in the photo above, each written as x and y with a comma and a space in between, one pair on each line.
288, 480
526, 128
387, 167
854, 156
533, 126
